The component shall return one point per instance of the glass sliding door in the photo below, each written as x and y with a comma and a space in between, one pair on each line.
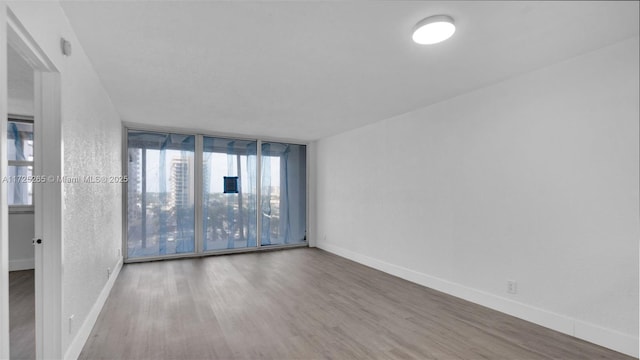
160, 196
195, 194
283, 196
229, 193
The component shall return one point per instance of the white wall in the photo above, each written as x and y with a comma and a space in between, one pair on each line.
534, 179
91, 134
21, 233
20, 106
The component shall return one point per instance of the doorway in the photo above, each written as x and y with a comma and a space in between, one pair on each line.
46, 196
20, 158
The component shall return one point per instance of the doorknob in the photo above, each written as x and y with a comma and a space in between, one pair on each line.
36, 241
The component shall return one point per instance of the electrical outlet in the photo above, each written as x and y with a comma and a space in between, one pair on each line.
71, 323
512, 287
108, 272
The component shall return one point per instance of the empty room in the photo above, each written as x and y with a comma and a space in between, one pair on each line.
319, 179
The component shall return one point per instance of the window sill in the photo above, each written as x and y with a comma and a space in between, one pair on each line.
18, 209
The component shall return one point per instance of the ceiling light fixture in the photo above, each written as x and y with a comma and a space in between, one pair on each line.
433, 30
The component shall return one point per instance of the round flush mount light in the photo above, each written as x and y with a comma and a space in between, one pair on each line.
433, 30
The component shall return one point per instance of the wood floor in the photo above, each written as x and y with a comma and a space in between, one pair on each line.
305, 304
22, 318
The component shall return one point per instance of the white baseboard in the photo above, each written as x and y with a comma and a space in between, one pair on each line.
608, 338
75, 348
21, 264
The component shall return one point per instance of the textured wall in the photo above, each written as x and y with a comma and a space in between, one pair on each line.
534, 179
91, 137
92, 212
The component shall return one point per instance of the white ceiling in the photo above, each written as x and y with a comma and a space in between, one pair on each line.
305, 70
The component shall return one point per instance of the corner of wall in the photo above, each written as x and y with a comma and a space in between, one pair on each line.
77, 344
611, 339
312, 194
488, 198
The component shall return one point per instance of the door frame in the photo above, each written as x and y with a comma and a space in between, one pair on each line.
47, 196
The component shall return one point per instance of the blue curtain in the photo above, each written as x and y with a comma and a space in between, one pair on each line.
283, 197
231, 220
20, 196
265, 199
251, 192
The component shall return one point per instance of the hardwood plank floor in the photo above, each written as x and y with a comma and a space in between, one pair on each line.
305, 304
22, 315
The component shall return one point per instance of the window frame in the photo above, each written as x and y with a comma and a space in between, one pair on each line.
22, 209
199, 135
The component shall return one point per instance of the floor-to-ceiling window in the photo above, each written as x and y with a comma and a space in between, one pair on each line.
160, 206
229, 193
284, 197
191, 194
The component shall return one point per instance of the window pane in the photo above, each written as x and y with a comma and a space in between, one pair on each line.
19, 189
160, 194
20, 141
229, 218
283, 194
